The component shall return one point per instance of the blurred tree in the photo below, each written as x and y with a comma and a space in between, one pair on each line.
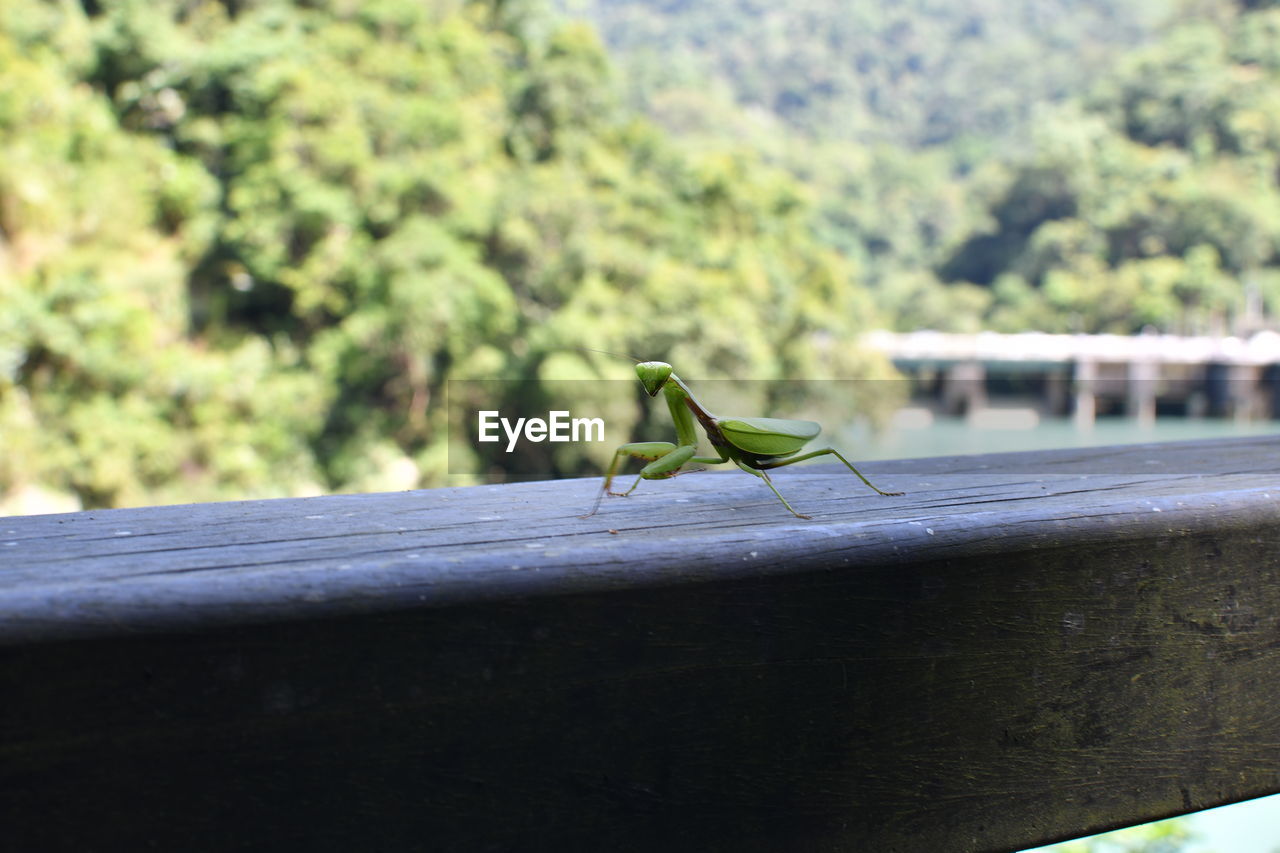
246, 244
1155, 202
1166, 836
1079, 153
915, 73
101, 392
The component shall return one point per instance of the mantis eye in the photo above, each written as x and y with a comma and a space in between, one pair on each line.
653, 375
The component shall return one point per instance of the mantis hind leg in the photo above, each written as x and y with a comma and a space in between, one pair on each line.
828, 451
769, 482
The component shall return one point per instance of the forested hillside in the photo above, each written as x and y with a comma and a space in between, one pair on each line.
1154, 201
911, 73
1063, 166
245, 244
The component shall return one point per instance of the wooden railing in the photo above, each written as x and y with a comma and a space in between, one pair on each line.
1024, 648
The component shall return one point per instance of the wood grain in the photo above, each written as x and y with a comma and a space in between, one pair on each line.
1023, 648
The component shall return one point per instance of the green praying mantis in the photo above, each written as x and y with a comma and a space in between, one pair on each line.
756, 445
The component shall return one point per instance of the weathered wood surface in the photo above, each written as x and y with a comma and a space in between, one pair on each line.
1025, 647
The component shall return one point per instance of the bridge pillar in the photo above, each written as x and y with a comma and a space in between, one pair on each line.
1250, 394
964, 388
1269, 391
1234, 390
1057, 393
1140, 399
1086, 405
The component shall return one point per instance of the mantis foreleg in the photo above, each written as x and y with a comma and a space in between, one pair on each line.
666, 460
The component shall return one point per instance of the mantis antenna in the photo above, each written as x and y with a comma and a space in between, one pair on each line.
614, 354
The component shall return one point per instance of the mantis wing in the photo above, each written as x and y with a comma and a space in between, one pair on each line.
768, 436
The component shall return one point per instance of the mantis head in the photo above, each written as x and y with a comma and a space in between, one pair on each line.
653, 375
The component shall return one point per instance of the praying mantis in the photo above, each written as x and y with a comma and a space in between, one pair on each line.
756, 445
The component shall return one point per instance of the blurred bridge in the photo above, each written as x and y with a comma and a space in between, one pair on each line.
1086, 375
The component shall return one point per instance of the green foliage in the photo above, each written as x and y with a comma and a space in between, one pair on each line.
1166, 836
917, 73
1154, 203
101, 391
1070, 166
246, 244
